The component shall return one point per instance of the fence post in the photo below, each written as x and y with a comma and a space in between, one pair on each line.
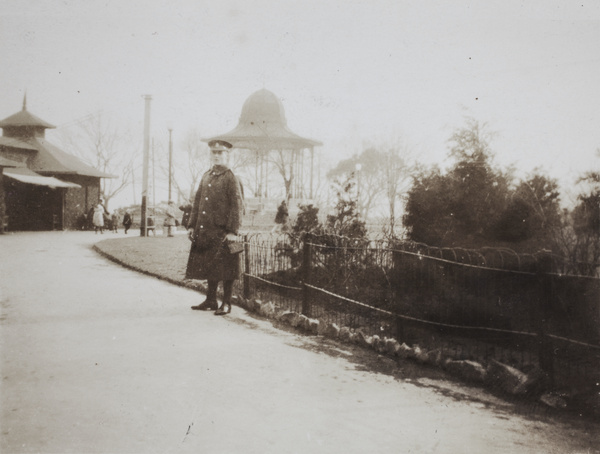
400, 335
306, 273
542, 312
246, 268
397, 258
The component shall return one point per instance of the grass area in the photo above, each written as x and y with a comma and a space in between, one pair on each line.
160, 256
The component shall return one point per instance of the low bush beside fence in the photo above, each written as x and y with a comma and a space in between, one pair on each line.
482, 305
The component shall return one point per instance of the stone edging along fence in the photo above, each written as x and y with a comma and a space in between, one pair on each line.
496, 375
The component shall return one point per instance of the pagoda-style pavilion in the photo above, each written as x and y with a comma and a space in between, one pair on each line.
44, 188
263, 130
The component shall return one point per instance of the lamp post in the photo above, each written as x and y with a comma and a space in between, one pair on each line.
170, 161
358, 169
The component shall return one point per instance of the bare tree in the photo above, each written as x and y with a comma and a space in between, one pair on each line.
104, 146
397, 173
382, 173
366, 169
191, 159
283, 160
244, 163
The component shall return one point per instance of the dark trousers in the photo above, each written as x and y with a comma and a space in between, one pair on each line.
227, 291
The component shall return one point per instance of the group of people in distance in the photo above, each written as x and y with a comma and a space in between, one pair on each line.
102, 219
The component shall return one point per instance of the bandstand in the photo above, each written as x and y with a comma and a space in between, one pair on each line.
263, 133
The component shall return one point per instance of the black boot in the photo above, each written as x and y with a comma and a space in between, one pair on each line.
210, 303
224, 309
227, 292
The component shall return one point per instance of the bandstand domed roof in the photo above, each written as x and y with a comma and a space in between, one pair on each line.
263, 125
263, 106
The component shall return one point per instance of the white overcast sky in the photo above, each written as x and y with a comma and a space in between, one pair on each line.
345, 70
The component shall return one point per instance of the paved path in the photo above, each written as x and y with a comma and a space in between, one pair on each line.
99, 359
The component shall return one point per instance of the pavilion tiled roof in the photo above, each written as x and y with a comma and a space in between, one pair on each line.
26, 175
47, 158
13, 142
4, 162
24, 118
52, 160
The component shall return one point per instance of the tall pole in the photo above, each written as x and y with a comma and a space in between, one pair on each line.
170, 161
143, 227
132, 185
358, 169
312, 169
153, 181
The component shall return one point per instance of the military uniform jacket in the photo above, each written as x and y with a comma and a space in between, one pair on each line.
217, 205
217, 210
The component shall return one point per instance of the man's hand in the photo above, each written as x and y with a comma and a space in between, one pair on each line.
191, 234
230, 237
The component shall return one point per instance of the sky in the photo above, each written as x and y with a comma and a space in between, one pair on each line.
346, 71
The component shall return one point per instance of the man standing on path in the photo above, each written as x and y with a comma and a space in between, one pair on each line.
215, 221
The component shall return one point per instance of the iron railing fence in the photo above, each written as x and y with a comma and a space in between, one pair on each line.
480, 305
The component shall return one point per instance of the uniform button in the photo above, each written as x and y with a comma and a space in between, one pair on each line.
204, 212
201, 226
205, 198
209, 185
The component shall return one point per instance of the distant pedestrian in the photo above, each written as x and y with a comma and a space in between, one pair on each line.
281, 218
214, 224
187, 211
82, 222
127, 221
170, 219
98, 218
150, 226
114, 222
